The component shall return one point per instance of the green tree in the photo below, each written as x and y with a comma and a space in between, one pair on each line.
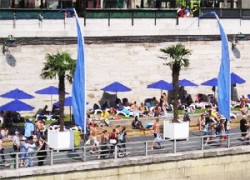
178, 59
61, 66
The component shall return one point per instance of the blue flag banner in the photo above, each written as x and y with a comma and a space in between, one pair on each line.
224, 78
79, 87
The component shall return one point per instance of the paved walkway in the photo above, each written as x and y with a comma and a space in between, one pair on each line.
138, 136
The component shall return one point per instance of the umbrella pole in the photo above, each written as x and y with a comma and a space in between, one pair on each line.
51, 101
70, 119
214, 96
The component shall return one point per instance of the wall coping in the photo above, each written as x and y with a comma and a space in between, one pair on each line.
129, 161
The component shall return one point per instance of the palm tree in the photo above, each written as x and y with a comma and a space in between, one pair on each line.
177, 54
61, 66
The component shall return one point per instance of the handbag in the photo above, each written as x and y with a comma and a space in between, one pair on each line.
112, 141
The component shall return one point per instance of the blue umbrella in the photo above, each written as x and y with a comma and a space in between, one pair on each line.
211, 82
162, 85
67, 102
51, 90
235, 79
185, 82
116, 87
16, 105
17, 94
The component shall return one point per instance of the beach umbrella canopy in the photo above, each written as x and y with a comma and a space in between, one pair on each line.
16, 105
185, 82
116, 87
162, 85
211, 82
235, 79
67, 102
49, 90
17, 94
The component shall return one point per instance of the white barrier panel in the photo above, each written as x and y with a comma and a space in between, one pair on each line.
175, 130
61, 140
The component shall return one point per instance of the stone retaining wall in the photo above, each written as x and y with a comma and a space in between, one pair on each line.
220, 164
119, 52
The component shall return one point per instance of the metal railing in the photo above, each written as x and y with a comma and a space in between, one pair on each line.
131, 149
227, 13
43, 14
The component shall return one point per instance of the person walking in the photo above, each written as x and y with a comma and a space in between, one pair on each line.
41, 152
31, 147
104, 146
123, 138
22, 150
223, 135
94, 134
209, 131
156, 131
2, 151
16, 142
243, 127
29, 128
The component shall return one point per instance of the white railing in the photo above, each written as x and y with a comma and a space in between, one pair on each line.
139, 148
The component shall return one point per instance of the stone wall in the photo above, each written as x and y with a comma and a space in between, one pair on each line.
135, 64
220, 164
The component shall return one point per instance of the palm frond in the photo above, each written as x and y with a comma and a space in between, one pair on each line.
59, 64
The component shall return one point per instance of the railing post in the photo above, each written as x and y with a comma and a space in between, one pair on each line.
109, 16
132, 18
115, 152
202, 143
228, 140
146, 148
155, 17
240, 16
17, 161
84, 153
174, 145
51, 157
177, 19
14, 20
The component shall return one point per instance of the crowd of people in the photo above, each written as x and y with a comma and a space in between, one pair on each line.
183, 11
105, 143
32, 143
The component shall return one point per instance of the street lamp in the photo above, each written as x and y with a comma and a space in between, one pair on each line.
10, 42
236, 38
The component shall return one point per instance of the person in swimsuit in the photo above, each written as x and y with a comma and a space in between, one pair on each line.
156, 131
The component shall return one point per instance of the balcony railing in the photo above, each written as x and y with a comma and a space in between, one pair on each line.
114, 13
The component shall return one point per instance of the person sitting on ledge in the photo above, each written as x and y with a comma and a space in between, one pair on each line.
105, 117
137, 124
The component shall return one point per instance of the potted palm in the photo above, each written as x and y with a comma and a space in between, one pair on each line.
61, 66
175, 57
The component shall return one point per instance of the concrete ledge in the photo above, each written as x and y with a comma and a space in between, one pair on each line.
130, 161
